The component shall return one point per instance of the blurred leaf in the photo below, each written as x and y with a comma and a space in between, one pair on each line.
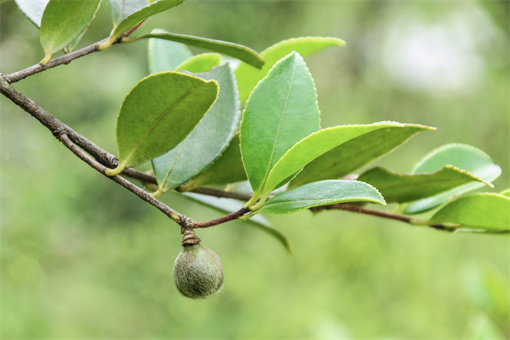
352, 155
313, 146
127, 14
321, 193
476, 211
402, 188
165, 55
228, 168
207, 140
280, 112
461, 156
158, 113
201, 63
505, 192
33, 10
248, 77
63, 21
224, 47
228, 205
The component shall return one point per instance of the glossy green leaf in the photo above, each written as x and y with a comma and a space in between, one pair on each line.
207, 140
321, 193
165, 55
352, 155
224, 47
158, 113
280, 112
400, 188
228, 205
62, 23
476, 211
248, 77
127, 14
462, 156
201, 63
33, 10
313, 146
228, 168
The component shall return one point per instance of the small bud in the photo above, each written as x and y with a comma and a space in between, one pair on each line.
198, 272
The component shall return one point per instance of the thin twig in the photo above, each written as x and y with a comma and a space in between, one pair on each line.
65, 59
126, 184
227, 218
382, 214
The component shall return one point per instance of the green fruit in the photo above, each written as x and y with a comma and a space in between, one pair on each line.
198, 272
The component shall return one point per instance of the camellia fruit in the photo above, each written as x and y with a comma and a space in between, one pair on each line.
198, 272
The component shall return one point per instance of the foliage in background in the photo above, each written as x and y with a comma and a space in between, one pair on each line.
305, 267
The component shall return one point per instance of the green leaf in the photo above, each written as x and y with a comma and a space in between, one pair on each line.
321, 193
281, 111
158, 113
121, 9
228, 168
165, 55
477, 211
207, 140
63, 21
461, 156
201, 63
400, 188
312, 147
248, 77
33, 10
505, 192
127, 14
228, 205
352, 155
224, 47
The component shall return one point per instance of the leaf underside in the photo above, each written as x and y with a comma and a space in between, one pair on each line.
159, 112
207, 140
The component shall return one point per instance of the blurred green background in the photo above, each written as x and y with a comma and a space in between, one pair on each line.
83, 257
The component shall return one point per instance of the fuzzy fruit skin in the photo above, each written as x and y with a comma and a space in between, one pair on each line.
198, 272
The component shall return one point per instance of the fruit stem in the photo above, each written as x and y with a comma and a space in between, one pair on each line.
189, 238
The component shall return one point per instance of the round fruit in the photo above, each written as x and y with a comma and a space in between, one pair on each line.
198, 272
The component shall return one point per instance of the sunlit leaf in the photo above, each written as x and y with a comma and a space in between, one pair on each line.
33, 9
248, 76
462, 156
121, 9
352, 155
400, 188
207, 140
228, 168
158, 113
224, 47
201, 63
62, 23
321, 193
312, 147
280, 112
476, 211
165, 55
228, 205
